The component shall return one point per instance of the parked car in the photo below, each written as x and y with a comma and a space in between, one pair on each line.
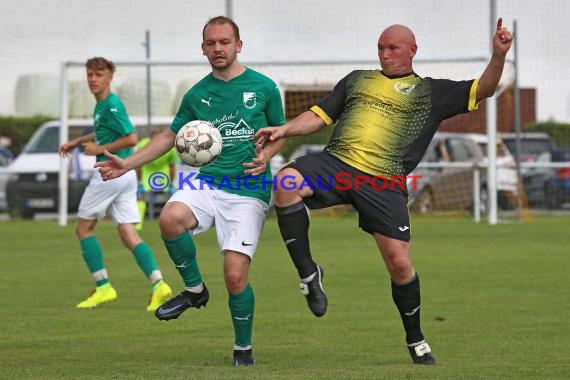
451, 188
6, 158
507, 181
33, 184
543, 186
558, 184
533, 145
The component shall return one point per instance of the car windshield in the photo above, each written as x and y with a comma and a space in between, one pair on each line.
47, 140
529, 147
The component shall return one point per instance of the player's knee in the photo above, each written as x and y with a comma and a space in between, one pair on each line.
400, 269
83, 230
170, 226
288, 182
235, 280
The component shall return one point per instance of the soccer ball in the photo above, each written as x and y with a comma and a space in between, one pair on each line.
198, 143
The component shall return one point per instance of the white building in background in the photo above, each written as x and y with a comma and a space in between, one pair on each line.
35, 39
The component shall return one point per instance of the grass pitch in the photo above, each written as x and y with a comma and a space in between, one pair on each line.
495, 306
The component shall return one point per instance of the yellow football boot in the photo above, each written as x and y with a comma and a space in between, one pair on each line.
161, 293
101, 294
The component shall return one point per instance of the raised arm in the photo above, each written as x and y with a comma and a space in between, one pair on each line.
306, 123
116, 167
489, 81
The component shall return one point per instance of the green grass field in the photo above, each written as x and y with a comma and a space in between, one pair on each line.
495, 306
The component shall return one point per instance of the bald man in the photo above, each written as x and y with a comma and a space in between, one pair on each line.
384, 121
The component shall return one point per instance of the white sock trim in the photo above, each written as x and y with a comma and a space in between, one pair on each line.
196, 289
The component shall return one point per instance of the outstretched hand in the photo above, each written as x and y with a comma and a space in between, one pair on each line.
257, 165
268, 134
113, 168
64, 149
503, 39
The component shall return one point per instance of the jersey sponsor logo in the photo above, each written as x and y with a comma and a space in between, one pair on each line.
404, 88
249, 100
232, 133
224, 119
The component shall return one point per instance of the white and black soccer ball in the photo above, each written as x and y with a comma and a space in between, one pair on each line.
198, 143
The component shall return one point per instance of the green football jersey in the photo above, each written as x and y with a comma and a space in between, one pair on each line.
111, 122
238, 108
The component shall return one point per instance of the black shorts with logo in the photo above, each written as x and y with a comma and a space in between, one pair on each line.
381, 203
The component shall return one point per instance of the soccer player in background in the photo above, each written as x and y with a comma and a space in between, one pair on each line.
113, 132
164, 164
384, 121
241, 101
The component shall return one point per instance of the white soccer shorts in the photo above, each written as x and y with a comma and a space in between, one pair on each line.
117, 197
238, 220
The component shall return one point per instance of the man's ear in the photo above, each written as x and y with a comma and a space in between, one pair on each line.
413, 50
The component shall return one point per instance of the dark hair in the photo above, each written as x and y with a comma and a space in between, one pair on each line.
222, 20
100, 63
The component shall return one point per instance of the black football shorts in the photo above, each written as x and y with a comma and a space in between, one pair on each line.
381, 203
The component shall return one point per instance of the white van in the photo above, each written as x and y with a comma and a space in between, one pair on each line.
33, 184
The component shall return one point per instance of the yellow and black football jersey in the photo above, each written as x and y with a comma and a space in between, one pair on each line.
383, 124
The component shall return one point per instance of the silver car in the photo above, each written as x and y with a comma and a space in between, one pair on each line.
450, 185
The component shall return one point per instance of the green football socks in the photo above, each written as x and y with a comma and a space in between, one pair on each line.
145, 258
93, 257
182, 251
241, 310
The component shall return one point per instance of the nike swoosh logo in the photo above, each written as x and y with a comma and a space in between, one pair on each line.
405, 228
183, 265
289, 241
246, 244
246, 318
412, 312
161, 310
